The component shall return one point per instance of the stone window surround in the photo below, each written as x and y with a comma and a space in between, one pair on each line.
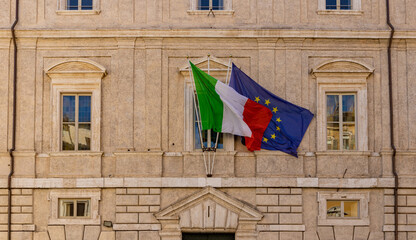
85, 78
363, 199
219, 73
93, 194
351, 79
355, 9
193, 9
61, 9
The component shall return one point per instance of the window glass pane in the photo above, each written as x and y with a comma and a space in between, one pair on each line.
345, 5
68, 109
203, 4
82, 208
332, 108
214, 139
333, 208
66, 208
84, 136
72, 5
86, 5
331, 4
84, 114
351, 208
348, 137
348, 108
217, 5
68, 136
332, 138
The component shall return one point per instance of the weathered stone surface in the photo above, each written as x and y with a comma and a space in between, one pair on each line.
267, 199
149, 235
344, 232
361, 233
127, 200
56, 232
326, 233
92, 232
291, 235
149, 199
107, 235
127, 217
290, 218
127, 235
40, 236
290, 200
74, 232
268, 236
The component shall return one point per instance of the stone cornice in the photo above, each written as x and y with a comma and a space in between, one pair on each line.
179, 182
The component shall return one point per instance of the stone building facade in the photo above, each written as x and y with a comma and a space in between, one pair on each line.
134, 171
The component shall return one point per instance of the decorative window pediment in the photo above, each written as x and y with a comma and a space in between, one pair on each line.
208, 210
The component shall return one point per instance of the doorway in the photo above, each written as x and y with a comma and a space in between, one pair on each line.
208, 236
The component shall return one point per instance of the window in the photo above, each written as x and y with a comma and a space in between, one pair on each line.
208, 236
215, 7
340, 121
76, 122
79, 5
74, 208
218, 70
338, 5
342, 105
343, 208
76, 105
351, 7
210, 4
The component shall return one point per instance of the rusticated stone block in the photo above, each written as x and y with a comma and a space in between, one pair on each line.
149, 200
147, 218
107, 235
138, 209
344, 232
92, 232
291, 235
127, 217
290, 200
56, 232
361, 233
290, 218
278, 190
268, 236
149, 235
138, 191
127, 200
127, 235
279, 209
267, 200
74, 232
326, 233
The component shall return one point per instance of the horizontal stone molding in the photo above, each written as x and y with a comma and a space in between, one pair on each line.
19, 227
281, 228
178, 182
401, 228
136, 227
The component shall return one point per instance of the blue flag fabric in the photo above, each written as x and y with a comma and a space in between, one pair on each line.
289, 122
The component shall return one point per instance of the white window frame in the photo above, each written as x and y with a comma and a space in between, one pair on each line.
362, 198
342, 76
227, 8
355, 8
65, 80
75, 203
93, 194
341, 122
77, 95
62, 8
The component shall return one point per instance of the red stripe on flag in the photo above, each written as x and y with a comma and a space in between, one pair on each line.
257, 118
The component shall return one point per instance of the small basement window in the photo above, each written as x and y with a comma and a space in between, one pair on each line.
208, 236
74, 208
342, 209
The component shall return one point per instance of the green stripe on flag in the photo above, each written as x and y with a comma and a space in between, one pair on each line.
210, 104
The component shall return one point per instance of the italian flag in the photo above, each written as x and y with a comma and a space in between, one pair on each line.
224, 110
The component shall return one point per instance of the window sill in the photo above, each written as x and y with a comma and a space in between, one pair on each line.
343, 153
340, 12
78, 12
207, 12
76, 154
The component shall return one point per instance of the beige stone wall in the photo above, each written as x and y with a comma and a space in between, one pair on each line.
144, 162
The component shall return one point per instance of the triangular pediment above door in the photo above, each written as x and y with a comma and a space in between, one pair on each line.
209, 209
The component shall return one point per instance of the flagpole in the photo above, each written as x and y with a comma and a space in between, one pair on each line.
198, 117
209, 139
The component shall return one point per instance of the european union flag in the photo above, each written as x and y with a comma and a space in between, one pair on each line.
289, 122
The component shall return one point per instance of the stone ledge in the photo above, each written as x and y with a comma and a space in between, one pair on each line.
402, 228
18, 228
172, 182
281, 228
136, 227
